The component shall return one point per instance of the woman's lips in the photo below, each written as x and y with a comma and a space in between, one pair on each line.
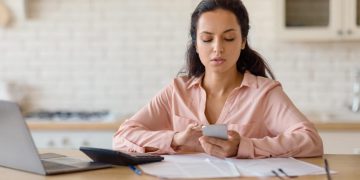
217, 61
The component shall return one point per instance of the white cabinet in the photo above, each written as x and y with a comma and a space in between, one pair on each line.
352, 19
72, 139
318, 20
341, 142
73, 134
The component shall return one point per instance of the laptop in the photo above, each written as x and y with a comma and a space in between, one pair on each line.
18, 150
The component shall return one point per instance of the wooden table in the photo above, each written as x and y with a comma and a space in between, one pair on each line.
347, 166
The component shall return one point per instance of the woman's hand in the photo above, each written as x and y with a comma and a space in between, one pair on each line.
219, 147
188, 139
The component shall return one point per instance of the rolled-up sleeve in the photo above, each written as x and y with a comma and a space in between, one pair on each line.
150, 127
291, 134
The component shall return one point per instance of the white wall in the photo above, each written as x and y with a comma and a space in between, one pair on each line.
116, 54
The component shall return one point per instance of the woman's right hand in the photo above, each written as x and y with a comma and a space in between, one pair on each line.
188, 139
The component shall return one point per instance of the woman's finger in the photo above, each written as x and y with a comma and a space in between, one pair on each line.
221, 147
215, 141
212, 149
197, 127
233, 135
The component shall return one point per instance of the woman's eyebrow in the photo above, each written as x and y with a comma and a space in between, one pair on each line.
226, 31
229, 30
206, 32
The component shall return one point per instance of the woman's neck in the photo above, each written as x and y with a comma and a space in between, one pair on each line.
216, 84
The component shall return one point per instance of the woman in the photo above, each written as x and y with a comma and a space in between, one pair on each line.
226, 83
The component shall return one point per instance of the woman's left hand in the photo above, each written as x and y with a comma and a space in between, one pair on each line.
219, 147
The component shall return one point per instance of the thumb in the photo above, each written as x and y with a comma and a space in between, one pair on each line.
191, 126
233, 135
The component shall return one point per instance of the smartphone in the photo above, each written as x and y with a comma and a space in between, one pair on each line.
215, 130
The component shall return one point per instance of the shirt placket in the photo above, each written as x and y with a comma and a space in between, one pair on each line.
225, 110
202, 100
227, 107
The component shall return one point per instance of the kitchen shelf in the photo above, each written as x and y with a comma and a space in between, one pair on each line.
337, 126
338, 136
113, 126
74, 126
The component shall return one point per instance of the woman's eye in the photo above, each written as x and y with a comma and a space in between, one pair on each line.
229, 39
207, 40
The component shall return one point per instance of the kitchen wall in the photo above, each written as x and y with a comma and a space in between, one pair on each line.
117, 54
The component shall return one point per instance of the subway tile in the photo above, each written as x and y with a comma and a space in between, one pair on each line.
119, 54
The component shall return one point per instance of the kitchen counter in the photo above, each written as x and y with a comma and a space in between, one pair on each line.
336, 121
113, 126
73, 134
74, 126
338, 126
43, 125
338, 136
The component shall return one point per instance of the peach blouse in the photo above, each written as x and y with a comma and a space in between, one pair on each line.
268, 122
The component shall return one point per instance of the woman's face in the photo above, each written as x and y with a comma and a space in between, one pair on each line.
219, 41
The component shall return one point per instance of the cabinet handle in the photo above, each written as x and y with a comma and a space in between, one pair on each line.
51, 143
86, 143
340, 32
349, 31
65, 141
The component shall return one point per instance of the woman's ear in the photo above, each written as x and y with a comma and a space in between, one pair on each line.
243, 44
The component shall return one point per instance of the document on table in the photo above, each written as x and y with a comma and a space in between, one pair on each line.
202, 165
191, 166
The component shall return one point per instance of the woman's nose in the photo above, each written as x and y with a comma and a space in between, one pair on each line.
218, 47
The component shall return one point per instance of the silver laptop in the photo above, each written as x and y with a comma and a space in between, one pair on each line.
18, 150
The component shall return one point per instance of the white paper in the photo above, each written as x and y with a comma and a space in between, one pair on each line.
202, 165
263, 167
191, 166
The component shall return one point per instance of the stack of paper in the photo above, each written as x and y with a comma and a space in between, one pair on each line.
205, 166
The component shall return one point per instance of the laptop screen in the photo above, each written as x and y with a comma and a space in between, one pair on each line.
18, 150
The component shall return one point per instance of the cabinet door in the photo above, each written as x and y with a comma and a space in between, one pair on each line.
65, 139
341, 142
352, 20
309, 20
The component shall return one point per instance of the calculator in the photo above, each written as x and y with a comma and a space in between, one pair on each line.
119, 157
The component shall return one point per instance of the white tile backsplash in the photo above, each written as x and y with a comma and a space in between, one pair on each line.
117, 54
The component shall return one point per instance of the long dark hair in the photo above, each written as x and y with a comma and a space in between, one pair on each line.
249, 59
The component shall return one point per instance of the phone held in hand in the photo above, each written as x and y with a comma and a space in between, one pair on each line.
215, 130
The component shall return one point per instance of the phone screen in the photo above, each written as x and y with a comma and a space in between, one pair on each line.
215, 130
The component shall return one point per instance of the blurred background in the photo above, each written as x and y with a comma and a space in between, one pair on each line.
97, 60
